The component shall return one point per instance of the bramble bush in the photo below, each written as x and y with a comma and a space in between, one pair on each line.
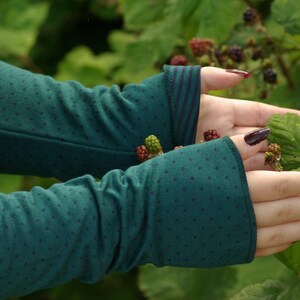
125, 41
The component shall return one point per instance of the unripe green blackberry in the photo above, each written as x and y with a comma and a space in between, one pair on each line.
210, 134
274, 148
152, 144
235, 53
205, 61
179, 60
142, 153
270, 76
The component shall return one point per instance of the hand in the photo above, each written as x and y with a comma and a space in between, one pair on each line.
231, 117
276, 203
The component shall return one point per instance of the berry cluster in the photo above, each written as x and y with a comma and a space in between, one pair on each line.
273, 157
152, 148
210, 134
256, 52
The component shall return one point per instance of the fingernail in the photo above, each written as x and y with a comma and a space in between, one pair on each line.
256, 136
239, 72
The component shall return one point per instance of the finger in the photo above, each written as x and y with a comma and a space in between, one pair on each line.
268, 185
271, 250
251, 143
257, 162
278, 235
277, 212
217, 79
250, 113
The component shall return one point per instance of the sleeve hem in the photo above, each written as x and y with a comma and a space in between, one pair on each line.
247, 197
183, 86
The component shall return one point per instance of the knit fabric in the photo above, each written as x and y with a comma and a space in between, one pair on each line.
64, 130
189, 207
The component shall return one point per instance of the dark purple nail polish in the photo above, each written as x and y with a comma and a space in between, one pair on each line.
256, 136
239, 72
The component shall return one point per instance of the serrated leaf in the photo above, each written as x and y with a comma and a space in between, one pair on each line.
287, 13
82, 65
268, 290
214, 19
139, 14
285, 131
170, 283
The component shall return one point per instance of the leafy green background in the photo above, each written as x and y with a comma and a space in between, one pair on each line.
124, 41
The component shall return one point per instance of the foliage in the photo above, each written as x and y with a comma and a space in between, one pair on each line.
111, 41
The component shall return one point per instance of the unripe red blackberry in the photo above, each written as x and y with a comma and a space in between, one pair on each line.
270, 76
142, 153
210, 134
235, 53
152, 144
200, 46
179, 60
250, 15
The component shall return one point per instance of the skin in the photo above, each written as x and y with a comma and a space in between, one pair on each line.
275, 195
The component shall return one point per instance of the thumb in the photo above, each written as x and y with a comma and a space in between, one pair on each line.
250, 143
218, 79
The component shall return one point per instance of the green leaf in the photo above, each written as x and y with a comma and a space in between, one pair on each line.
268, 290
285, 131
82, 65
19, 21
10, 183
290, 257
292, 292
214, 19
287, 13
170, 283
139, 14
260, 270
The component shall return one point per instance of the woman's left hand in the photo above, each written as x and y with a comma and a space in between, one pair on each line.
231, 116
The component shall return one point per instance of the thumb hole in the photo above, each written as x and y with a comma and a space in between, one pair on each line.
252, 142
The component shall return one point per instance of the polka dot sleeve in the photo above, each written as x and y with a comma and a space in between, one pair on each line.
190, 207
65, 130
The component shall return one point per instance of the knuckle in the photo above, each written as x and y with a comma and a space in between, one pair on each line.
284, 213
276, 238
283, 187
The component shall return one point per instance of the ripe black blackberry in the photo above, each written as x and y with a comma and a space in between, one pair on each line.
236, 53
250, 15
179, 60
270, 75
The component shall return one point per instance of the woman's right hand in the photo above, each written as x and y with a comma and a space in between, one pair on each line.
275, 196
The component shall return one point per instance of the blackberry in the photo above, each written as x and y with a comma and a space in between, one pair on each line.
275, 148
210, 134
153, 145
179, 60
200, 46
142, 153
270, 75
257, 54
250, 15
219, 56
235, 53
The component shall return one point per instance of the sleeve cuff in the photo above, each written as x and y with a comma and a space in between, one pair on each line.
183, 87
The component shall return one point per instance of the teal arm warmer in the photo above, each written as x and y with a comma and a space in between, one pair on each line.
189, 207
65, 130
